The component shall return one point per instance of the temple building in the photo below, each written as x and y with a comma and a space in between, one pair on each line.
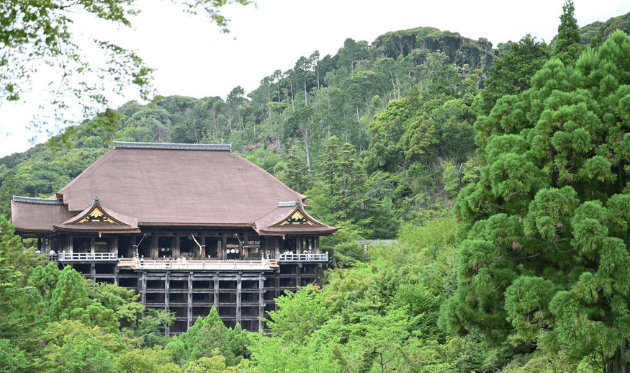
188, 226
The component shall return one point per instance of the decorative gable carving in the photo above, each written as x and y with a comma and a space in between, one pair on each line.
297, 218
97, 216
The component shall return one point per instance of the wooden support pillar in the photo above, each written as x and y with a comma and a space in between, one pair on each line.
245, 246
215, 295
175, 247
153, 251
131, 250
277, 287
261, 301
116, 275
92, 246
202, 242
39, 244
238, 297
222, 251
93, 272
317, 249
143, 289
276, 242
190, 299
298, 275
70, 242
115, 245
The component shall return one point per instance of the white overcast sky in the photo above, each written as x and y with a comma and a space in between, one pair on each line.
193, 58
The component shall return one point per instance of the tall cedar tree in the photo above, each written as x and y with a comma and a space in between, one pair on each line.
544, 234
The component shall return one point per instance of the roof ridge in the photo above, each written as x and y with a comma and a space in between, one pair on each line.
172, 146
37, 200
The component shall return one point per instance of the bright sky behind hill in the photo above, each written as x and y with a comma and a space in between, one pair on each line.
194, 59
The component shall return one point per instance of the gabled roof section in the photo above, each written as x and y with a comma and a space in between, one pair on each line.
291, 221
97, 218
30, 214
177, 185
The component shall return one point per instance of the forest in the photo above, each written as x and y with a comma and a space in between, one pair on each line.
499, 173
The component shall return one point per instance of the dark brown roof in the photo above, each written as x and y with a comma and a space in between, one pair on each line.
37, 214
178, 185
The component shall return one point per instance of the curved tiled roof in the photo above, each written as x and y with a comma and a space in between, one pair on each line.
169, 185
147, 184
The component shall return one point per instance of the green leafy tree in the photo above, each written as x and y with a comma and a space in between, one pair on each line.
12, 359
294, 172
70, 301
146, 360
543, 237
123, 302
44, 33
300, 122
568, 47
512, 72
71, 346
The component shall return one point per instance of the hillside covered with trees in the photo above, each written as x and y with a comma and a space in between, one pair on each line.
500, 171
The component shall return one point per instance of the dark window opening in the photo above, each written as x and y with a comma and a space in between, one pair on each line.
155, 297
270, 295
211, 247
270, 282
179, 327
227, 285
249, 311
308, 269
156, 284
84, 269
165, 243
203, 298
249, 284
227, 311
81, 245
178, 298
125, 250
200, 311
105, 269
179, 311
128, 282
287, 282
288, 269
177, 284
249, 297
188, 247
202, 285
144, 247
227, 298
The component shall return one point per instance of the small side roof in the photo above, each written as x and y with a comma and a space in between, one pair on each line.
30, 214
97, 218
291, 219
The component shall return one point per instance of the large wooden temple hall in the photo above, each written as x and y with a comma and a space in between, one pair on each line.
188, 226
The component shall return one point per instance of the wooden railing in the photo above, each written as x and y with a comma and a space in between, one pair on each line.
303, 257
65, 257
209, 265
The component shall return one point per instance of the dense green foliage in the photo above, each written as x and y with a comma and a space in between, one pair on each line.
503, 174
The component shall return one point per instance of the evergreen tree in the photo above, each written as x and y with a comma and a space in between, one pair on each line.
568, 45
543, 235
